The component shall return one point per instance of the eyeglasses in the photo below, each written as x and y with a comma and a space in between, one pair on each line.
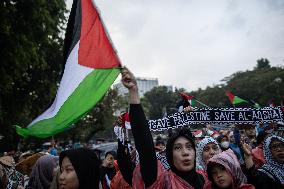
277, 147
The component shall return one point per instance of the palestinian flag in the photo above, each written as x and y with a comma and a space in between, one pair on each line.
235, 99
91, 67
190, 99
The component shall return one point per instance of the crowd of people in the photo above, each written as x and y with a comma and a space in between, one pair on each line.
231, 158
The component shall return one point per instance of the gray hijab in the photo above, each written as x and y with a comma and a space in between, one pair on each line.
42, 172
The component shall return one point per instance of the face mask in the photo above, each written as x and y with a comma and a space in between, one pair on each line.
225, 144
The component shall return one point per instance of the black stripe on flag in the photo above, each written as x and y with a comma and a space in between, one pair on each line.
73, 30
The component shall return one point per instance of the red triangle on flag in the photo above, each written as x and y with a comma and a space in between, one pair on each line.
185, 96
95, 50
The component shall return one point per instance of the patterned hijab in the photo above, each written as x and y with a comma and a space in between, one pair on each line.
229, 160
200, 163
272, 168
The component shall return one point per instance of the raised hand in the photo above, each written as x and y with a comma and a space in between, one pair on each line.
247, 149
248, 155
129, 81
187, 109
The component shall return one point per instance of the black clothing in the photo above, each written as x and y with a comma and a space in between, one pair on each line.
109, 172
126, 167
144, 144
260, 180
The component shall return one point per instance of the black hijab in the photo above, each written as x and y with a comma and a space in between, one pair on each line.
192, 177
86, 165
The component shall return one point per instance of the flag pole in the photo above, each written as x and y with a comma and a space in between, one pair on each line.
201, 103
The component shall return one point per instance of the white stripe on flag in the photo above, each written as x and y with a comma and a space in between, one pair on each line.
74, 73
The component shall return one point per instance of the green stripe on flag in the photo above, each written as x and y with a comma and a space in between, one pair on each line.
192, 102
238, 100
80, 102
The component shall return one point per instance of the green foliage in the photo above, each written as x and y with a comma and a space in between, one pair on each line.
160, 99
31, 59
31, 68
212, 96
262, 63
260, 85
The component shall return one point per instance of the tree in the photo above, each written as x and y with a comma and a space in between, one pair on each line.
160, 99
259, 85
212, 96
31, 60
262, 63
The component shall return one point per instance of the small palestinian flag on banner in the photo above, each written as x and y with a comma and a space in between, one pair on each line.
235, 99
91, 66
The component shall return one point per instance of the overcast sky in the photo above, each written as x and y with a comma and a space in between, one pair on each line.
194, 43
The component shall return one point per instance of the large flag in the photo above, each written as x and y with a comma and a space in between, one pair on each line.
91, 67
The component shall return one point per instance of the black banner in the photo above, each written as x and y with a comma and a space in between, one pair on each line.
218, 116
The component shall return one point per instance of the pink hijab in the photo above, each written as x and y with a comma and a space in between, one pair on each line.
229, 160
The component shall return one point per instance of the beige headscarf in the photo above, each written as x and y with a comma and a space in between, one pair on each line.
7, 160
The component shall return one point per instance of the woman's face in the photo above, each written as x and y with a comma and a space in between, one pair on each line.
221, 177
209, 151
183, 154
277, 150
68, 178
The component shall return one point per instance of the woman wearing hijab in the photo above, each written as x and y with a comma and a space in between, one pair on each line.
206, 148
271, 174
180, 150
80, 169
224, 171
42, 172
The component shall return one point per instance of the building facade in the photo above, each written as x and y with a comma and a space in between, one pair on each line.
144, 85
